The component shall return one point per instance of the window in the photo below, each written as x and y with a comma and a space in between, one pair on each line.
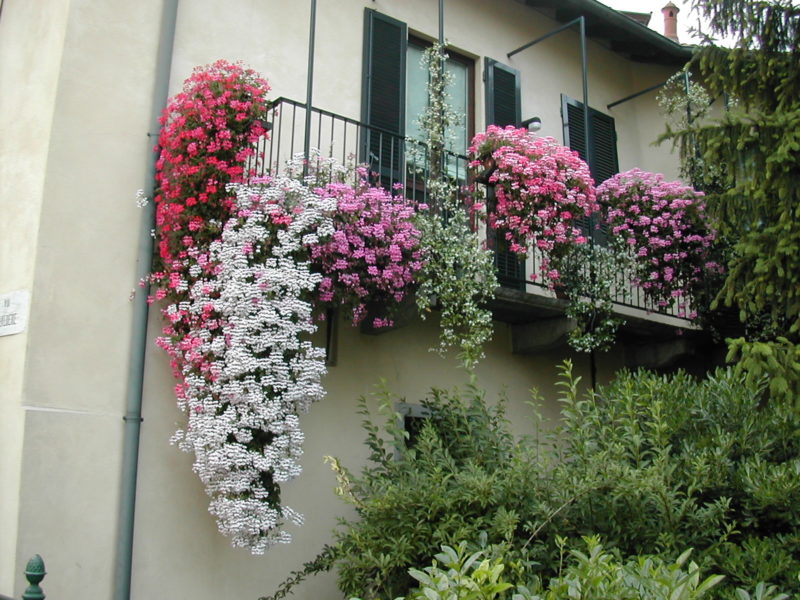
412, 420
458, 136
461, 70
394, 93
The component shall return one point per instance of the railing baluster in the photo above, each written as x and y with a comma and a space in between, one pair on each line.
344, 143
330, 142
280, 137
294, 126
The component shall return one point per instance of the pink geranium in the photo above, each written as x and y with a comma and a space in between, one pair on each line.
542, 188
374, 252
208, 134
664, 227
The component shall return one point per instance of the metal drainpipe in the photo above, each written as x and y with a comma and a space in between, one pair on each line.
590, 160
309, 86
133, 402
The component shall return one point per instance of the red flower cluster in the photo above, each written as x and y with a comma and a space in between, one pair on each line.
208, 134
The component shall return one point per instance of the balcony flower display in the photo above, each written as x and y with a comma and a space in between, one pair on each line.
244, 264
663, 227
542, 190
207, 136
249, 370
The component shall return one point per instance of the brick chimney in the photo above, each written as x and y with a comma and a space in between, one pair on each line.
670, 12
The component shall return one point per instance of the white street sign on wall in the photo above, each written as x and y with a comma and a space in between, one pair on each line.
13, 312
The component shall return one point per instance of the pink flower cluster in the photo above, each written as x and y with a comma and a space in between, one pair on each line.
542, 189
664, 227
373, 254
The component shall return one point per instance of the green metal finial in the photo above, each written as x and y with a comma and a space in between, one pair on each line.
34, 573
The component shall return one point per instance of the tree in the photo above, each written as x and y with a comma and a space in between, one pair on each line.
755, 194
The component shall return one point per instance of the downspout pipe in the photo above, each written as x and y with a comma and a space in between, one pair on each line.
441, 23
133, 401
587, 132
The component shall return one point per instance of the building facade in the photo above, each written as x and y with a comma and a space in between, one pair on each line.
81, 84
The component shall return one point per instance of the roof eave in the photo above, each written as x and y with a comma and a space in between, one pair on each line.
642, 43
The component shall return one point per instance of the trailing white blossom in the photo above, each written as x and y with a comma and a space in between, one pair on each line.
243, 406
458, 273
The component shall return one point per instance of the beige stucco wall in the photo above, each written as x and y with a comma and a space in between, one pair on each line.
62, 402
97, 78
31, 38
178, 552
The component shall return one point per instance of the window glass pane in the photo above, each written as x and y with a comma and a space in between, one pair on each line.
416, 92
457, 136
417, 99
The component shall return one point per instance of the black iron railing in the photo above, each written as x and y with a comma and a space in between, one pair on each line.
394, 161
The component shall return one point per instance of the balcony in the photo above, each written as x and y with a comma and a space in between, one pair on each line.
520, 301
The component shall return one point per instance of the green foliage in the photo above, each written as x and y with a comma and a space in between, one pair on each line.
589, 273
599, 574
755, 197
684, 103
652, 464
780, 359
319, 564
593, 573
465, 475
458, 275
462, 578
761, 592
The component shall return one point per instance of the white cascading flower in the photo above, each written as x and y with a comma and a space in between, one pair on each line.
243, 424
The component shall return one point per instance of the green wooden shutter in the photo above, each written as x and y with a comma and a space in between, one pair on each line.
604, 161
503, 107
575, 138
574, 132
602, 132
383, 95
604, 135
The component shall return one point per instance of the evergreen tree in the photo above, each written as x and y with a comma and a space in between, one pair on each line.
749, 161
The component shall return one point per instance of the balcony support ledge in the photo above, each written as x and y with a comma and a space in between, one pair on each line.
658, 355
545, 334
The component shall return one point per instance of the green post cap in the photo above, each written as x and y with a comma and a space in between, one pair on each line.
34, 573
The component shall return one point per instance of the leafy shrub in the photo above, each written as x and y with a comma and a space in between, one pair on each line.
651, 464
456, 574
465, 474
678, 463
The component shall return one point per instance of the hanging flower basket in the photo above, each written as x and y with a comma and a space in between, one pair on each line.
373, 255
663, 227
543, 190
